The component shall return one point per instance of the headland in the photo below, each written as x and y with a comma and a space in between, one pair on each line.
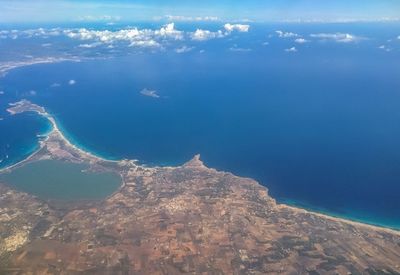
185, 219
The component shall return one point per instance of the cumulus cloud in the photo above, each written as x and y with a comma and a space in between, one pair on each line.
283, 34
160, 38
292, 50
202, 35
71, 82
184, 49
133, 36
301, 40
337, 37
149, 93
236, 27
169, 31
145, 44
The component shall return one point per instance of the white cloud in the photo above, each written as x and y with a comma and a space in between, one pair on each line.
265, 43
398, 37
383, 47
145, 44
184, 49
134, 36
236, 27
169, 31
131, 37
1, 92
301, 40
32, 93
99, 18
283, 34
190, 18
71, 82
55, 85
89, 46
337, 37
292, 50
202, 35
40, 32
150, 93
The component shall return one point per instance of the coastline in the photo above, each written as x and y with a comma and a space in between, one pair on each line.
77, 145
56, 132
27, 154
11, 65
337, 217
53, 131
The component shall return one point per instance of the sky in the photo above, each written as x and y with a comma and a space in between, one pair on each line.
25, 11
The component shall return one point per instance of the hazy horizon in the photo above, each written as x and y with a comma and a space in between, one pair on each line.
155, 10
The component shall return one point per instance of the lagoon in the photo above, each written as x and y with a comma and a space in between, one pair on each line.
58, 180
319, 127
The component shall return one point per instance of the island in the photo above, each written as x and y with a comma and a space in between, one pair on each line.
173, 220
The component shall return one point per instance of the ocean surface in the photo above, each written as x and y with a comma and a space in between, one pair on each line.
319, 126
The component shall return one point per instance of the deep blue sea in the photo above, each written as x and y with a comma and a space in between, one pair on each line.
320, 127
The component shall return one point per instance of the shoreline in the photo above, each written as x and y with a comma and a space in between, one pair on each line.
55, 131
338, 217
78, 146
310, 208
6, 67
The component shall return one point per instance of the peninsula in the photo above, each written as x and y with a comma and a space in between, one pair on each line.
172, 220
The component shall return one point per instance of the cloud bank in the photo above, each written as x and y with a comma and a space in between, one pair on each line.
131, 37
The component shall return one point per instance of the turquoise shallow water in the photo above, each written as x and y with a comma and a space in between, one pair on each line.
20, 135
353, 215
51, 179
320, 126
